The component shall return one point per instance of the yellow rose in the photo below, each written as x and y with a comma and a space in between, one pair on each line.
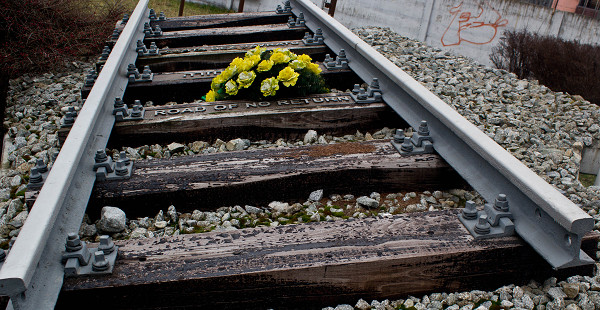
255, 59
256, 51
231, 88
265, 65
304, 58
288, 77
236, 62
246, 78
297, 65
279, 58
269, 86
245, 65
211, 96
228, 73
314, 68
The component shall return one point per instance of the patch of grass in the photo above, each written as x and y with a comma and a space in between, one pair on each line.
587, 179
171, 7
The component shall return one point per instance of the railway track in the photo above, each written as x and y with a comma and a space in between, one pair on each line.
291, 266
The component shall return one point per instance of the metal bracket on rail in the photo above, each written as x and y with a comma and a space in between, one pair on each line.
122, 113
493, 221
107, 170
38, 174
69, 118
148, 32
420, 142
340, 62
80, 260
143, 51
316, 39
370, 95
152, 15
134, 75
298, 23
287, 8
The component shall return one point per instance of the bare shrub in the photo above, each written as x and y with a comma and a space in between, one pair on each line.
565, 66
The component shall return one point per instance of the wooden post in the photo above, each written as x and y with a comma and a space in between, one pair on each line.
331, 6
181, 5
241, 6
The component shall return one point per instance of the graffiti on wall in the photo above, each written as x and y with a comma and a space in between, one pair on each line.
472, 27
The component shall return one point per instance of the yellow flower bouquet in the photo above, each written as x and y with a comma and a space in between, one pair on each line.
263, 74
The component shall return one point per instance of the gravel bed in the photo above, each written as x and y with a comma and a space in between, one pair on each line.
546, 130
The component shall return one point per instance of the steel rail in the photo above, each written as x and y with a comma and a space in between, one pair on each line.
32, 274
544, 218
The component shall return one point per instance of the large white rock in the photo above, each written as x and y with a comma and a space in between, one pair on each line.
112, 220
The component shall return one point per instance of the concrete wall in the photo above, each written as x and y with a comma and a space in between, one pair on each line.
465, 27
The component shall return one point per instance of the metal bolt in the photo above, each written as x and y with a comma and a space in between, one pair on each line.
152, 14
41, 166
375, 84
399, 136
318, 34
115, 34
291, 21
406, 146
501, 204
100, 156
279, 9
362, 94
35, 176
162, 16
356, 89
423, 129
119, 103
287, 7
470, 211
106, 244
100, 263
125, 19
157, 30
483, 226
121, 168
307, 37
328, 59
132, 71
73, 243
105, 53
123, 157
136, 111
153, 48
2, 255
342, 55
300, 19
147, 73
